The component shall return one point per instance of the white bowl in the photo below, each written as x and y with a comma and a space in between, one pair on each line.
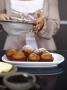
13, 27
19, 81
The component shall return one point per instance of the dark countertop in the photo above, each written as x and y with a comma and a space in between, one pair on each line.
49, 78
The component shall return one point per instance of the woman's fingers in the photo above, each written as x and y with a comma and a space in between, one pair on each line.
7, 17
39, 24
4, 17
37, 27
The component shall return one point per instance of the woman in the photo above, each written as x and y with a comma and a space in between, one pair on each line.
46, 25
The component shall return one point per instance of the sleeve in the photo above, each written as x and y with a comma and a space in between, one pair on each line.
2, 6
52, 22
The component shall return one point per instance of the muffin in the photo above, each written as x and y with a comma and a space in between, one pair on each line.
27, 49
19, 56
33, 57
10, 52
15, 55
46, 57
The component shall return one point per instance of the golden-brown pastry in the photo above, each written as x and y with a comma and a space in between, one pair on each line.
19, 56
27, 49
10, 52
15, 55
46, 57
33, 57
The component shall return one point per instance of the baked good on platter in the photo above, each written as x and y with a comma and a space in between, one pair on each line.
19, 56
46, 57
10, 52
27, 49
33, 57
29, 54
14, 54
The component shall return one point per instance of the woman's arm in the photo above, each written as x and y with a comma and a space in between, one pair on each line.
53, 20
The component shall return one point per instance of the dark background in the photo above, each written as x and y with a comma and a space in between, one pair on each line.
60, 37
63, 9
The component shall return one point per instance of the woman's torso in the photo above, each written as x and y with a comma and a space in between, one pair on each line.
26, 13
24, 10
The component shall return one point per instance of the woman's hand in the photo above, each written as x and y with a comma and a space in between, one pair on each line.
4, 17
39, 22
